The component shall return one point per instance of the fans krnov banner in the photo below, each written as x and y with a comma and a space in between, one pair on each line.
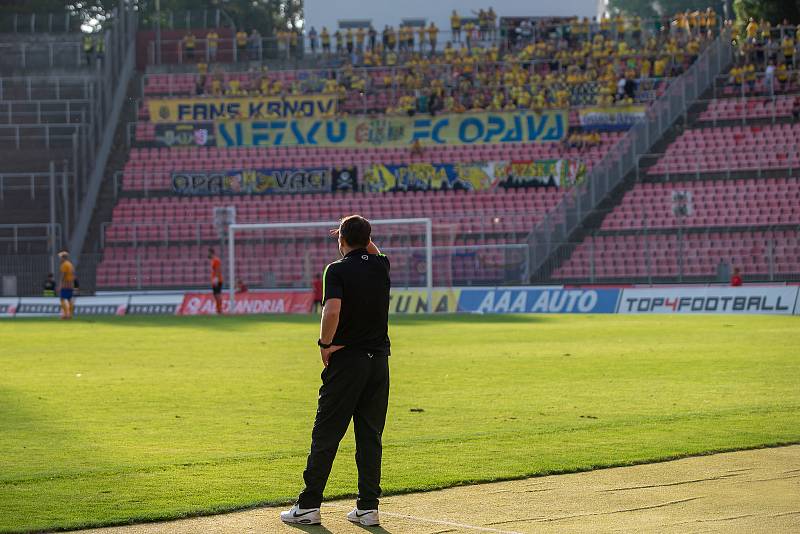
240, 108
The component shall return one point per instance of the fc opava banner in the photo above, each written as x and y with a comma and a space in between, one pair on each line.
610, 118
712, 299
265, 181
412, 301
427, 177
538, 300
240, 108
250, 303
185, 135
452, 129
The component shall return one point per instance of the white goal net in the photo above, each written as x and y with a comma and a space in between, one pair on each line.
287, 255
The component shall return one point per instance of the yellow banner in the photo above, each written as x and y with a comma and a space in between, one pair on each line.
240, 108
411, 301
367, 132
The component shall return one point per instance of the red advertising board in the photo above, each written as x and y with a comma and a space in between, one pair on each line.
251, 303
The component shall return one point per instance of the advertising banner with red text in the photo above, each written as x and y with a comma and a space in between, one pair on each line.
251, 303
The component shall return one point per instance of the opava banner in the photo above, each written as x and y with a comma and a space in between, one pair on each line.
449, 129
250, 303
201, 109
185, 134
411, 301
265, 181
427, 177
610, 118
536, 173
538, 300
711, 299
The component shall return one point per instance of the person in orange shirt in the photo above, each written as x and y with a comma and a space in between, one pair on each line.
216, 279
66, 285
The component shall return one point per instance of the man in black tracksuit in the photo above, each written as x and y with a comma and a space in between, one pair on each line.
354, 346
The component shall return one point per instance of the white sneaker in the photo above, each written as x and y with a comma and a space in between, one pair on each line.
304, 516
368, 518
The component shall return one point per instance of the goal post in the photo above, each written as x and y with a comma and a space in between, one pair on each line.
387, 247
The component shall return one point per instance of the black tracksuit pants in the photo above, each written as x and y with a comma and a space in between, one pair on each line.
354, 385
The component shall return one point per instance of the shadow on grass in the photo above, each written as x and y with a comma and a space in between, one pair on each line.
239, 322
311, 529
226, 322
376, 528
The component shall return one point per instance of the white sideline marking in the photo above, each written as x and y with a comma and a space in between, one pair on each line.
436, 521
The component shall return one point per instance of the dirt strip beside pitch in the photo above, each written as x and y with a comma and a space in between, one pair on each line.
747, 491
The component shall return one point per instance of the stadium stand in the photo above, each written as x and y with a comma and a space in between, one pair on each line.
725, 190
151, 235
498, 71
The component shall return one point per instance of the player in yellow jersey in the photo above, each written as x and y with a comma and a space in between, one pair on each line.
66, 285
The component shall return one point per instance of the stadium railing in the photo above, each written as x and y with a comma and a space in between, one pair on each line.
472, 264
727, 168
42, 55
30, 272
49, 135
43, 111
62, 22
747, 109
562, 221
725, 88
765, 253
192, 18
171, 232
14, 237
270, 47
47, 87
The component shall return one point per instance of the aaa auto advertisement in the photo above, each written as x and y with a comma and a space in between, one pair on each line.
254, 302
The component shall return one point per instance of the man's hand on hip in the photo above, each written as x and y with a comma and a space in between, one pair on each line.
326, 353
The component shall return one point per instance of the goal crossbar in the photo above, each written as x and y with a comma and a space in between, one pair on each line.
333, 224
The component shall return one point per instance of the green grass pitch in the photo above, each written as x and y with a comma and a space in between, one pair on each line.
112, 420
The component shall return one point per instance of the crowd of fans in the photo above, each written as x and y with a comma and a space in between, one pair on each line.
765, 52
545, 64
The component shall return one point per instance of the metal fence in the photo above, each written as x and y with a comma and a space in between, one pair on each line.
43, 111
39, 23
15, 237
39, 135
34, 88
24, 275
192, 19
608, 173
453, 265
42, 55
478, 226
760, 84
746, 110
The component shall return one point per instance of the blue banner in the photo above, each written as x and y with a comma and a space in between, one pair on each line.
401, 132
538, 300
